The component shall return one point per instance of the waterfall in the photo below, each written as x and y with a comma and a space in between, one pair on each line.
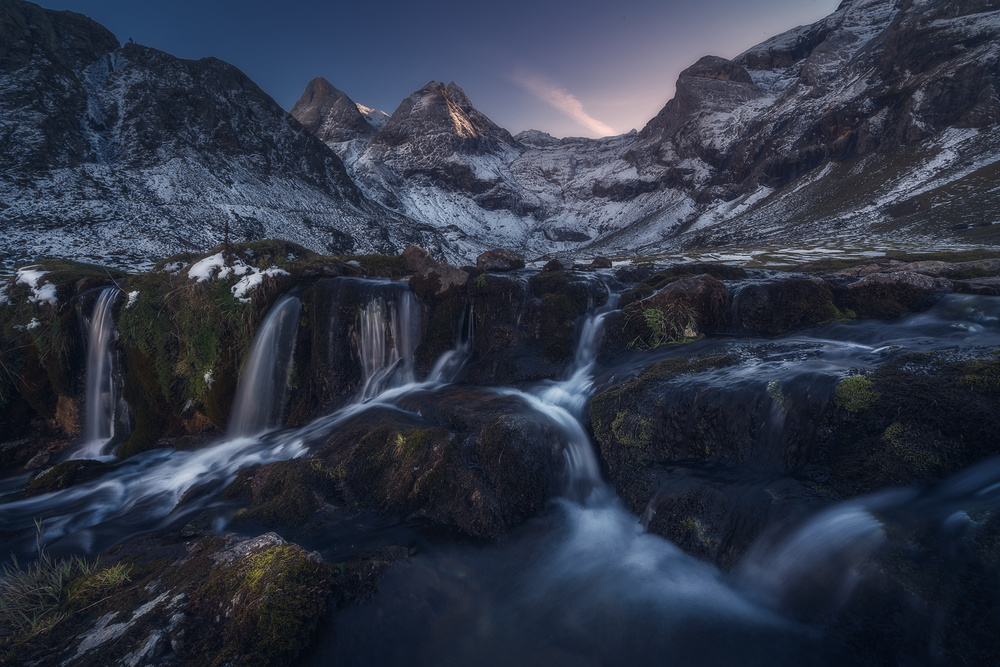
388, 333
449, 365
99, 419
263, 385
563, 402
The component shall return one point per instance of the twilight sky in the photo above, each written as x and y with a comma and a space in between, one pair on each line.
583, 68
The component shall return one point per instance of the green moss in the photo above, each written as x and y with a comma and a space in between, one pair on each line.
275, 597
908, 447
981, 375
668, 322
632, 430
855, 394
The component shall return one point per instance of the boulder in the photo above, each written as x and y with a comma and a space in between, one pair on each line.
475, 461
226, 599
770, 309
418, 259
890, 295
439, 281
499, 260
677, 312
601, 263
553, 265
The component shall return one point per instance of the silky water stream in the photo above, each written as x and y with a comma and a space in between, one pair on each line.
583, 582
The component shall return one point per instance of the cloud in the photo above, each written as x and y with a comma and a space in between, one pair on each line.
558, 97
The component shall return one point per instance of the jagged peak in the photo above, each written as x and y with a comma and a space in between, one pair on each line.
331, 114
443, 109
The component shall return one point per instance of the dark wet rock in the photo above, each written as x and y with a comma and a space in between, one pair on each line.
38, 460
920, 417
710, 462
499, 260
634, 274
65, 475
771, 309
475, 461
553, 265
284, 495
212, 600
418, 259
891, 295
981, 286
716, 513
601, 263
677, 313
563, 301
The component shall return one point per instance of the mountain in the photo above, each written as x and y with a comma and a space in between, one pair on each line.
873, 126
128, 154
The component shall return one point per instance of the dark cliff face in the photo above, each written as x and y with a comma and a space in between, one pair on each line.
42, 56
148, 106
130, 152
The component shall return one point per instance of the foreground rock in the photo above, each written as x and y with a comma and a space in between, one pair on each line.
709, 461
213, 600
474, 461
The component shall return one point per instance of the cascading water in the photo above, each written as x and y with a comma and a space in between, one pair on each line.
388, 333
263, 385
100, 401
582, 583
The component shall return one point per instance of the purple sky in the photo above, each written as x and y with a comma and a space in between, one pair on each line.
581, 68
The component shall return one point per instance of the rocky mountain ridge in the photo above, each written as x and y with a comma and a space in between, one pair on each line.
128, 154
865, 126
874, 128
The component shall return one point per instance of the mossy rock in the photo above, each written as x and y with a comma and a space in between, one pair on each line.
475, 461
776, 308
284, 495
629, 418
64, 475
919, 417
213, 601
152, 418
886, 297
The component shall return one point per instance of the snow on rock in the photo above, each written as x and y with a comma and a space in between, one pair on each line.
40, 293
252, 279
203, 270
251, 276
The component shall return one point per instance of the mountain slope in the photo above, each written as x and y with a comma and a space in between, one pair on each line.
130, 154
881, 102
